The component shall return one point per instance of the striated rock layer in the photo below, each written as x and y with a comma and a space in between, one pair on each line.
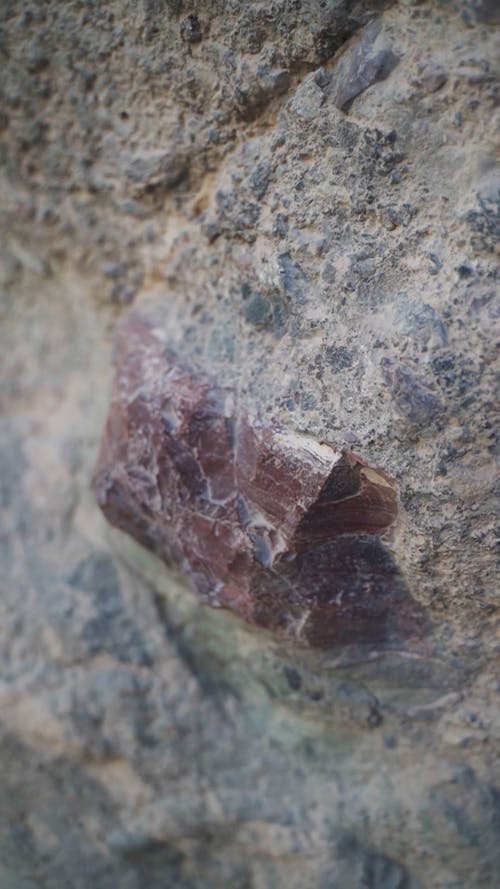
278, 527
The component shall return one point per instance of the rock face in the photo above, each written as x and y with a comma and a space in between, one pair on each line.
309, 229
271, 524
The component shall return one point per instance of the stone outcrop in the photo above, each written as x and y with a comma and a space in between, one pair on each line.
301, 199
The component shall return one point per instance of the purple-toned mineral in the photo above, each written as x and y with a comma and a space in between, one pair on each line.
276, 526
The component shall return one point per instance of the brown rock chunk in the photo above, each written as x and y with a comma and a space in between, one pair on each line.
262, 520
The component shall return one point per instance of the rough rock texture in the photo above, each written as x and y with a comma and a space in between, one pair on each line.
334, 267
271, 524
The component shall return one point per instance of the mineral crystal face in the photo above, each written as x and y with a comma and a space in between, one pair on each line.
280, 528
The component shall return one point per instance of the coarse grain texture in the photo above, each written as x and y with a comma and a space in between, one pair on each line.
335, 267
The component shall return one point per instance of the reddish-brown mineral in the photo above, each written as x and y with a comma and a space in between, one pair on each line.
272, 524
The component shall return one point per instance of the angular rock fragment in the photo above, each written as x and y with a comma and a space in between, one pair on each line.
362, 65
272, 524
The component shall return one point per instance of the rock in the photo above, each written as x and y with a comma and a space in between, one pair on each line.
258, 311
339, 357
420, 322
271, 524
292, 278
191, 30
360, 66
158, 172
237, 216
145, 738
484, 222
273, 81
432, 77
280, 227
109, 629
259, 179
114, 270
415, 400
308, 99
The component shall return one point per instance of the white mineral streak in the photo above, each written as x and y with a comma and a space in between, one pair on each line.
301, 445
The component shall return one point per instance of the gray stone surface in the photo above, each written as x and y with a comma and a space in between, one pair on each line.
338, 267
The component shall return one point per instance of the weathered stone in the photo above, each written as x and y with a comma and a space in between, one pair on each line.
418, 404
191, 29
432, 77
269, 523
292, 278
361, 65
147, 739
157, 173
